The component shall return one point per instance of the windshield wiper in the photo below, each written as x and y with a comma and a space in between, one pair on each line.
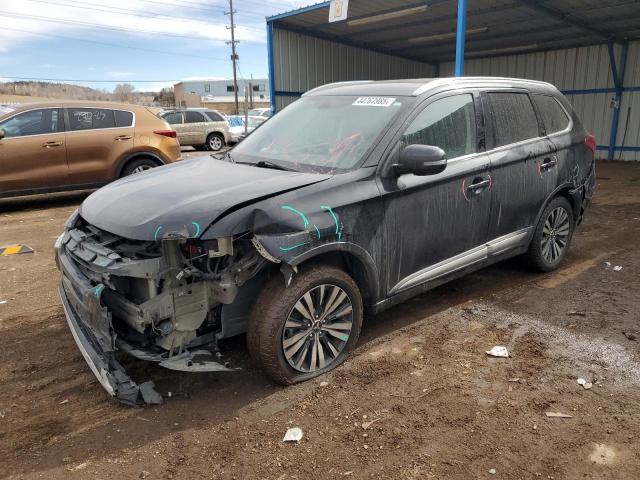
267, 164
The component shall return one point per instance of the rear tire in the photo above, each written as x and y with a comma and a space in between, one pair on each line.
215, 142
552, 236
292, 346
138, 165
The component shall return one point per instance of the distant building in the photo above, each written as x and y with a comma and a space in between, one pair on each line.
186, 92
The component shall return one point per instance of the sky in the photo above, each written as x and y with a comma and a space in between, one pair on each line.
148, 43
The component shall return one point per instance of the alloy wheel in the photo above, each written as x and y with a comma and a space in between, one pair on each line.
215, 143
317, 328
555, 234
141, 168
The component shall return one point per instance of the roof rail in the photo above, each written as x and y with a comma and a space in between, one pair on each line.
327, 85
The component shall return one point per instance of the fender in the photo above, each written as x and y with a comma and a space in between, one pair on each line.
575, 199
369, 269
123, 161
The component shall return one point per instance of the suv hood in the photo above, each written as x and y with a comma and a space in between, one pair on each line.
184, 198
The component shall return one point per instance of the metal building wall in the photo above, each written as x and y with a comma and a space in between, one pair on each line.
577, 72
302, 62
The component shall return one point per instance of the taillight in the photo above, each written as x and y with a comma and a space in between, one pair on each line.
166, 133
590, 142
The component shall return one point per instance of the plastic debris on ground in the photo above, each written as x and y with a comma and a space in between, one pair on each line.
617, 268
586, 385
293, 435
557, 415
492, 471
498, 351
2, 302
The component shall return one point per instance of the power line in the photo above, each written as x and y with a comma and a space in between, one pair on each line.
105, 27
86, 80
164, 52
124, 11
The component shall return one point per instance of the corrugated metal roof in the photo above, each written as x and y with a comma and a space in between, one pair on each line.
527, 25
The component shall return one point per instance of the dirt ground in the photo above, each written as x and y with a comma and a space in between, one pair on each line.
418, 399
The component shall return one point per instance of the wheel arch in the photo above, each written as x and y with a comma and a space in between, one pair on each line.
135, 156
573, 195
351, 258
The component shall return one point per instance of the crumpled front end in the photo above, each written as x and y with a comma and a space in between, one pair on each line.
160, 301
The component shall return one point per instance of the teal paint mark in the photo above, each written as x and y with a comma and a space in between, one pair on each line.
304, 217
155, 235
317, 232
197, 225
98, 290
343, 337
286, 249
335, 219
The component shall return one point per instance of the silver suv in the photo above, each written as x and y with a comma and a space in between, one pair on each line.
202, 129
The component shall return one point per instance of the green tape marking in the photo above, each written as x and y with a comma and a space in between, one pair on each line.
155, 235
304, 217
335, 219
197, 225
98, 290
286, 249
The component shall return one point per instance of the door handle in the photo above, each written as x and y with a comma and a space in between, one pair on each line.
548, 163
51, 144
123, 137
474, 187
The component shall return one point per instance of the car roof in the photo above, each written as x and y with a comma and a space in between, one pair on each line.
418, 86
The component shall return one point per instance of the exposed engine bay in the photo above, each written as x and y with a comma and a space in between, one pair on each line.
166, 301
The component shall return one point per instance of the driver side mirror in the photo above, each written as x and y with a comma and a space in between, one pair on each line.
2, 134
421, 160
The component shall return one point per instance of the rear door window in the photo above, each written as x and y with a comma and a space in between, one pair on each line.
174, 118
554, 118
448, 123
514, 119
123, 118
33, 122
194, 117
90, 118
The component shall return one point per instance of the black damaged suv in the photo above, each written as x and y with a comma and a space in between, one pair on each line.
355, 197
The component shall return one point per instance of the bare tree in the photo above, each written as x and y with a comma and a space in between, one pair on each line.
123, 92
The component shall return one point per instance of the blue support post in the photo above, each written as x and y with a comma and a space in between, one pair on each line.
618, 80
460, 37
272, 77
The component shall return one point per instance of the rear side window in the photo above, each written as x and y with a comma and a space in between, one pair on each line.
554, 117
123, 119
448, 123
33, 122
513, 118
173, 118
215, 117
90, 118
193, 117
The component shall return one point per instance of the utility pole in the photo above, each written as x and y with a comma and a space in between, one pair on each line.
234, 55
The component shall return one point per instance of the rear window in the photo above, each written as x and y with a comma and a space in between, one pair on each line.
513, 117
554, 117
123, 119
194, 117
90, 118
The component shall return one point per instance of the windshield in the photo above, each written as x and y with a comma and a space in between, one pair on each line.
321, 133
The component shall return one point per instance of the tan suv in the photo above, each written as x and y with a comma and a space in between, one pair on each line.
55, 146
200, 128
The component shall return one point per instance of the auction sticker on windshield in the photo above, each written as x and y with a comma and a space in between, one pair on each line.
374, 101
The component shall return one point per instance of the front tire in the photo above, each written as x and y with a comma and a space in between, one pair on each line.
299, 332
552, 236
215, 142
